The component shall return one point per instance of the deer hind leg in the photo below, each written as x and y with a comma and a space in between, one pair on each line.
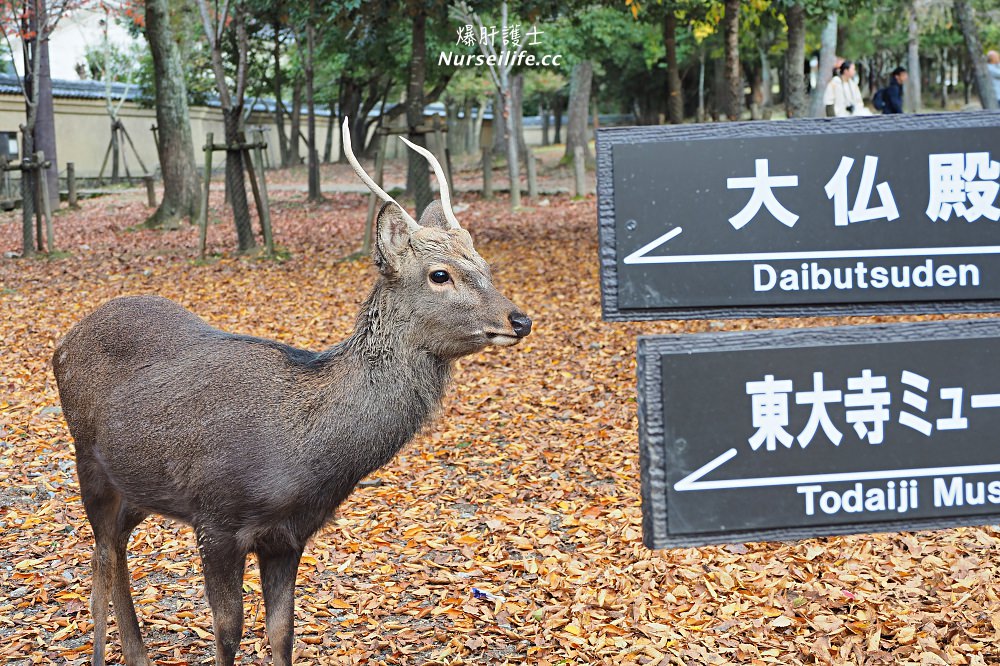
277, 572
100, 594
121, 590
223, 562
112, 522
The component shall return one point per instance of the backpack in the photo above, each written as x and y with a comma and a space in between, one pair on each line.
878, 101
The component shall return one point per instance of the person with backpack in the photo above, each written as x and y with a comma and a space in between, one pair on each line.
890, 98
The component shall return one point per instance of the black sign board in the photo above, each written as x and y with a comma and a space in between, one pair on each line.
868, 215
788, 434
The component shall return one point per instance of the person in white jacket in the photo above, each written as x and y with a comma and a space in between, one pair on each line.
847, 100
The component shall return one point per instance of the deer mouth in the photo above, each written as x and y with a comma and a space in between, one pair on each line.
502, 339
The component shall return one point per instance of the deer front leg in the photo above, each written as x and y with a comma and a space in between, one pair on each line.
277, 572
223, 562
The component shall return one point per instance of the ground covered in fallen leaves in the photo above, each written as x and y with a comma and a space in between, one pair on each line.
527, 486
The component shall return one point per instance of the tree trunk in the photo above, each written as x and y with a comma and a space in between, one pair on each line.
418, 172
478, 132
499, 125
510, 131
350, 107
29, 50
175, 146
45, 122
700, 113
558, 108
827, 55
453, 137
719, 89
980, 75
734, 81
795, 80
294, 141
279, 109
964, 76
231, 101
116, 151
766, 81
235, 182
912, 98
28, 192
313, 161
517, 107
544, 112
580, 82
943, 74
468, 128
331, 125
675, 98
756, 75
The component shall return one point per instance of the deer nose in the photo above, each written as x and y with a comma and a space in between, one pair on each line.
521, 323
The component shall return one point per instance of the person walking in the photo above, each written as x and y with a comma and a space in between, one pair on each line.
847, 100
831, 85
993, 66
894, 93
890, 98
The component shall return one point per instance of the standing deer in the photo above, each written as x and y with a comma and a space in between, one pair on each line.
255, 443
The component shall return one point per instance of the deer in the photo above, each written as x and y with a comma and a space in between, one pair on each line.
255, 443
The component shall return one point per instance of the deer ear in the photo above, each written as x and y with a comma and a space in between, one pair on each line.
433, 216
392, 236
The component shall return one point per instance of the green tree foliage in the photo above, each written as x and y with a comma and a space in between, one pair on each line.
185, 26
123, 66
627, 54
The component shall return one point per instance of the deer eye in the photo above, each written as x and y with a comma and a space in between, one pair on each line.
440, 277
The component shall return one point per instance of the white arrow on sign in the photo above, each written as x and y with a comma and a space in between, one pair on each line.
693, 480
641, 256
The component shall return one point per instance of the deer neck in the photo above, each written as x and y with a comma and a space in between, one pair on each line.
384, 340
387, 386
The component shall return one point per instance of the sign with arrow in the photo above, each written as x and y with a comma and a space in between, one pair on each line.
786, 434
861, 215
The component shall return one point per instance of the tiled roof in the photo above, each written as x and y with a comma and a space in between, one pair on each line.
9, 85
90, 89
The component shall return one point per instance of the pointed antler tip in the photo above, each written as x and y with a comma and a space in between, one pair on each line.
449, 214
412, 224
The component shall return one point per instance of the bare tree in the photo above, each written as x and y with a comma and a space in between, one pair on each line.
295, 122
734, 79
232, 108
581, 79
795, 80
175, 147
827, 56
912, 98
305, 35
277, 28
32, 22
967, 23
418, 177
500, 66
675, 95
108, 75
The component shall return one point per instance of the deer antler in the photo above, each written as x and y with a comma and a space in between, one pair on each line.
449, 214
366, 179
